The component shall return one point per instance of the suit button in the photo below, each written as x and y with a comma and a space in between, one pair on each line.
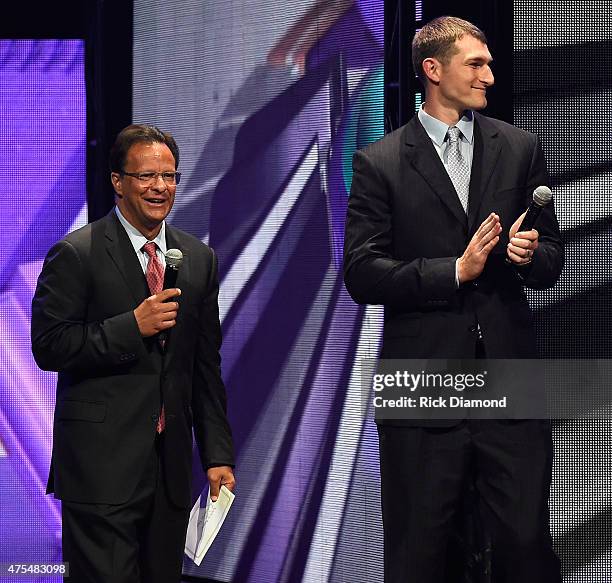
473, 329
475, 284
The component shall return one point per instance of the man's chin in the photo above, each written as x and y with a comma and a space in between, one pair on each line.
482, 103
153, 220
478, 106
158, 214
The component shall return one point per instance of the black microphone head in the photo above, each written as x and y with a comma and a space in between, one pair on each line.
174, 258
542, 195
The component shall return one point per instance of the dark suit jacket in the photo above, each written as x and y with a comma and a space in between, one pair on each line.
405, 229
111, 380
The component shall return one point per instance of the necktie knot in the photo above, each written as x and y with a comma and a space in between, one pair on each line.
150, 249
453, 134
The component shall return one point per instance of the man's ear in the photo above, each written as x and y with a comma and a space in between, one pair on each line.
431, 68
116, 182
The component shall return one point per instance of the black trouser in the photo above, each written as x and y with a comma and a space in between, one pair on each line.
426, 474
139, 541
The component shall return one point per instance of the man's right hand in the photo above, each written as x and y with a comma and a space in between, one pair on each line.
472, 262
156, 313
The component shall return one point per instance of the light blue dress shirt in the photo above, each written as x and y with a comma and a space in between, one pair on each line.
437, 131
138, 241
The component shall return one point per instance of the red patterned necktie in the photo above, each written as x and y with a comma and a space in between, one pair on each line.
155, 279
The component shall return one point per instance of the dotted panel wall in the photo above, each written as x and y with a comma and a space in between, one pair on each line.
563, 93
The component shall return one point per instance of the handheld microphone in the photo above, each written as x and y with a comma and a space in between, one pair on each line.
541, 197
174, 259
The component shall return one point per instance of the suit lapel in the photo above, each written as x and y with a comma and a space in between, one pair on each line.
424, 158
487, 148
120, 249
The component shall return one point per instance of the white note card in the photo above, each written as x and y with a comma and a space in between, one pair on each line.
205, 524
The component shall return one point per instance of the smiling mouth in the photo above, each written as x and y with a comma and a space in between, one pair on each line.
156, 201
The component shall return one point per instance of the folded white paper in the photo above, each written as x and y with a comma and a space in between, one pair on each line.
205, 523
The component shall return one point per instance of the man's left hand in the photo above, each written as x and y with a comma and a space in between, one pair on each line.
522, 245
220, 476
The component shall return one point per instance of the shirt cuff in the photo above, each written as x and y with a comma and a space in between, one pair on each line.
457, 274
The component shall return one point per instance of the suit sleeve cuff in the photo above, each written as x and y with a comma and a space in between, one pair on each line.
220, 465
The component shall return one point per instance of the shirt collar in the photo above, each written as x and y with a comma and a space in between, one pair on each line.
137, 238
437, 129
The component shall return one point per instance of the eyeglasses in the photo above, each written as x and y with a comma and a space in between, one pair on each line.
148, 178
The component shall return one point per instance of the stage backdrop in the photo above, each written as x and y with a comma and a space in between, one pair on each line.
563, 93
42, 140
268, 104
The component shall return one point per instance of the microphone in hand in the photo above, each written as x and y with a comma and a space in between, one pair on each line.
522, 247
174, 259
542, 196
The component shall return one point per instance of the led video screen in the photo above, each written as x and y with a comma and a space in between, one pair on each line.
563, 93
268, 106
43, 121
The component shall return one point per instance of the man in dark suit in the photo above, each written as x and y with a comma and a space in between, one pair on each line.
431, 234
128, 397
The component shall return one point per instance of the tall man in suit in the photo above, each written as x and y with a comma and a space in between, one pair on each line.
431, 234
128, 397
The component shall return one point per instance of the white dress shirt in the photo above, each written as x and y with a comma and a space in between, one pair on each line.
138, 241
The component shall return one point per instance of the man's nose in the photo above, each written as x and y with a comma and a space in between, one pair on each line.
158, 183
487, 77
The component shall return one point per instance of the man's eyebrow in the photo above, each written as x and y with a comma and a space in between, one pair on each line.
480, 59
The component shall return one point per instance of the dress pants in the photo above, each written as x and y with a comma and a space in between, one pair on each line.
426, 474
141, 540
